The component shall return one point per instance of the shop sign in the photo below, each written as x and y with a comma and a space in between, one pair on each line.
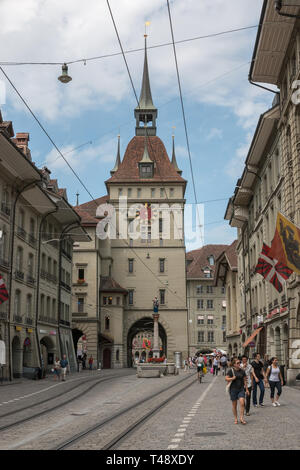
53, 333
18, 328
29, 330
44, 332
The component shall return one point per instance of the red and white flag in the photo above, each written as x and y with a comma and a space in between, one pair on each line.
3, 291
271, 269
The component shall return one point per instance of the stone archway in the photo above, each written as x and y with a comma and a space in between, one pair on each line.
47, 351
144, 324
17, 357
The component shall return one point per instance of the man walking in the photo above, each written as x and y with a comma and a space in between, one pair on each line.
64, 364
258, 380
200, 365
224, 363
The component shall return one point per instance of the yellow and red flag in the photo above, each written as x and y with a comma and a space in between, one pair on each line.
146, 343
286, 243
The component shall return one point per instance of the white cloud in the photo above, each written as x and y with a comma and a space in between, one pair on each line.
214, 133
235, 166
104, 152
62, 31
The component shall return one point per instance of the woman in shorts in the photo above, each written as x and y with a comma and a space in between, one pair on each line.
239, 384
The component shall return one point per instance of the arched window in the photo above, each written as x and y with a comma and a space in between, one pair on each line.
107, 323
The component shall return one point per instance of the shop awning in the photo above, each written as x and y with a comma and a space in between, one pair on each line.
252, 337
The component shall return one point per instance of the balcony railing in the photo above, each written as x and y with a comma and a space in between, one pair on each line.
283, 298
68, 255
29, 321
30, 280
18, 319
46, 319
65, 286
19, 275
21, 232
5, 209
32, 240
65, 322
3, 315
4, 263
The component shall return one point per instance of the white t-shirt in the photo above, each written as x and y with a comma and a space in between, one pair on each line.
274, 374
200, 361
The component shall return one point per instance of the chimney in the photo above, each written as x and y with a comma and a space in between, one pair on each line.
21, 141
46, 174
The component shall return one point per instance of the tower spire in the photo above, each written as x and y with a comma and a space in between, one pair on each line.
118, 159
145, 111
174, 161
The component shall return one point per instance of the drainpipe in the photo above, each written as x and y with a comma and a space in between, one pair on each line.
38, 284
12, 245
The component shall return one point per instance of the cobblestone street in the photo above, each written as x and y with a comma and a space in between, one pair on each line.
200, 418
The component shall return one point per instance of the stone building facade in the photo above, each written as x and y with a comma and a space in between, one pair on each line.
270, 183
34, 219
206, 301
226, 275
126, 271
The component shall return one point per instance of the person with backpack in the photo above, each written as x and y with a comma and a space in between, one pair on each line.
200, 365
223, 361
64, 364
275, 380
237, 383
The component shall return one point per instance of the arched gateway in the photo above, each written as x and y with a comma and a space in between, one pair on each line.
140, 340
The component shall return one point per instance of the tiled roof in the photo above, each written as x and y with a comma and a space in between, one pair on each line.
197, 260
87, 210
108, 284
231, 255
128, 171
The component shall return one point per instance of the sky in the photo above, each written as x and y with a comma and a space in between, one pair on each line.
221, 107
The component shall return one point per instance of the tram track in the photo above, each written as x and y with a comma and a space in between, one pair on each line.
55, 397
133, 426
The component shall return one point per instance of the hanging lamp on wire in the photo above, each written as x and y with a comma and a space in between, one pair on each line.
64, 78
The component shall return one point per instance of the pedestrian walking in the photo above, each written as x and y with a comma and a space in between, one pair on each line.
200, 365
259, 379
64, 364
185, 362
237, 379
84, 360
216, 364
57, 369
275, 380
223, 361
91, 360
248, 371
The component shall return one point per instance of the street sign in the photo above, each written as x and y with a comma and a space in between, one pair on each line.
252, 344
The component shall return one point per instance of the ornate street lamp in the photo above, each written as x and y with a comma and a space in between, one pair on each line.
64, 78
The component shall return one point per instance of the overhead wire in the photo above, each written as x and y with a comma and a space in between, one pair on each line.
184, 118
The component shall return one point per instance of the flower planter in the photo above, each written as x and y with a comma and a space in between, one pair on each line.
151, 370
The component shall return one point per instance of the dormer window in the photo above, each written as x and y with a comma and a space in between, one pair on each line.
211, 260
146, 170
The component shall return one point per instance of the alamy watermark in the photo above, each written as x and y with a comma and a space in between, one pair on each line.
150, 221
2, 92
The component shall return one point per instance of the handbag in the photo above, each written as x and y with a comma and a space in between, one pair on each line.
212, 370
204, 370
227, 388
